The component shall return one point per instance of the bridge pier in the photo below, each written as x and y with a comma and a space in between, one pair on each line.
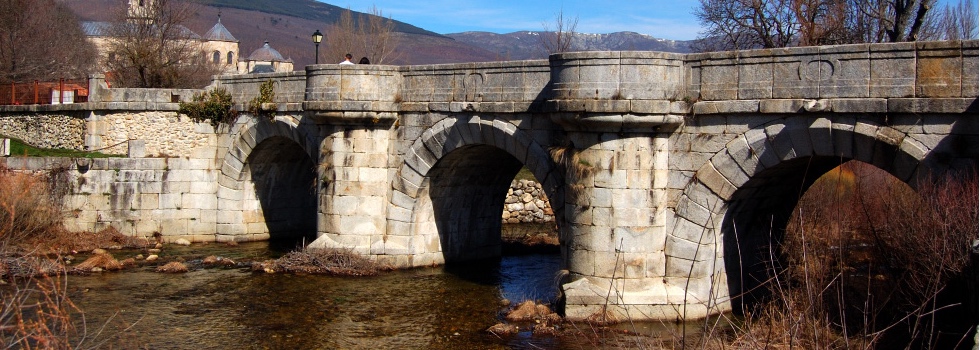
618, 217
353, 180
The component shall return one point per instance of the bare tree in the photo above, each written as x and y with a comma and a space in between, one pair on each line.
41, 40
560, 39
376, 34
341, 36
956, 22
745, 24
897, 20
153, 49
369, 35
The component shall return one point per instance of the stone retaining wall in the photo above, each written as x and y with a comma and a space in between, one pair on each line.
48, 131
165, 133
138, 196
526, 203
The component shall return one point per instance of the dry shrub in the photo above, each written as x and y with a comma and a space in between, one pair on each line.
325, 261
173, 267
29, 267
792, 321
36, 311
108, 237
27, 210
30, 217
36, 315
874, 258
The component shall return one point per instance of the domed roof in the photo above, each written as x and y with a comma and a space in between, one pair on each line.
219, 33
266, 53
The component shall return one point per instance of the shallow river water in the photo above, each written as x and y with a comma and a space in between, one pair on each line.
238, 309
234, 308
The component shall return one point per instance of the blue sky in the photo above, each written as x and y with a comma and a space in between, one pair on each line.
668, 19
662, 19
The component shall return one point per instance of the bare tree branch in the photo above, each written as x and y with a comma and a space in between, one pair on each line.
41, 40
367, 35
153, 49
746, 24
559, 40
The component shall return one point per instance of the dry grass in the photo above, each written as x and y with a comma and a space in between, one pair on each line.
529, 310
102, 261
173, 267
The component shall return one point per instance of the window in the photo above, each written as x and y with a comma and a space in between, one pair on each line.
216, 57
231, 57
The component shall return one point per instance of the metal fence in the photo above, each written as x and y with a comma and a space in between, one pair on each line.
44, 93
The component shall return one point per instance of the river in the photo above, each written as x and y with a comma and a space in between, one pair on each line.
235, 308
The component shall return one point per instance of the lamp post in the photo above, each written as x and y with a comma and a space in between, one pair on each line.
317, 37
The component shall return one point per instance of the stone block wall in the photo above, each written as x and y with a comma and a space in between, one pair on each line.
526, 203
138, 196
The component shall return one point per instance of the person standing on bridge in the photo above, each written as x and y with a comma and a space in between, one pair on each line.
347, 59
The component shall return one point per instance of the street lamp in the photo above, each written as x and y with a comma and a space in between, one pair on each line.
317, 37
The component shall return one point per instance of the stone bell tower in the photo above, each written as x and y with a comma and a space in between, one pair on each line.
141, 9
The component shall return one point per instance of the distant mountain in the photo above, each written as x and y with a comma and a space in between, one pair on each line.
305, 9
527, 44
288, 24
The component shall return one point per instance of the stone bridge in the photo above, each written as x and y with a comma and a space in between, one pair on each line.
668, 173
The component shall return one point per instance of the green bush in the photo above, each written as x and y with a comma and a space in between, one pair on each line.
267, 94
213, 106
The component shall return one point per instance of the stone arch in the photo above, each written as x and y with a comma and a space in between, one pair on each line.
263, 157
430, 206
737, 202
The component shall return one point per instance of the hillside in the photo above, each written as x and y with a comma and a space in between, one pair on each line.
288, 24
527, 44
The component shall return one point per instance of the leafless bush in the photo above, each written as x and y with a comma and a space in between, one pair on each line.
869, 263
36, 315
874, 258
26, 208
36, 311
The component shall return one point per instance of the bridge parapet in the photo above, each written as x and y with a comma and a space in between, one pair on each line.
945, 69
289, 88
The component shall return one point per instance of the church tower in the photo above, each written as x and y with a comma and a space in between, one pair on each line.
141, 9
